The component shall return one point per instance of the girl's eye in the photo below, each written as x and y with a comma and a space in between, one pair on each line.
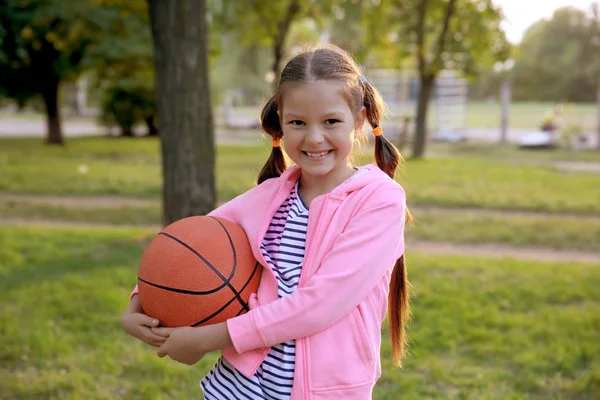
332, 121
296, 122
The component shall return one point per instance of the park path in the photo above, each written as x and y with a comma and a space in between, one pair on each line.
90, 202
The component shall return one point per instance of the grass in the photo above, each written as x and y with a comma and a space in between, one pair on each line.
481, 329
480, 183
131, 167
521, 230
544, 231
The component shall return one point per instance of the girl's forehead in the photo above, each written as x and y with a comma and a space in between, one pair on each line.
314, 94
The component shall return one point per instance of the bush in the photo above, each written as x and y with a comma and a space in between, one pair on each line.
126, 107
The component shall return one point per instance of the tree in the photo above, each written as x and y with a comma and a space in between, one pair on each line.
447, 34
265, 22
41, 44
180, 37
45, 42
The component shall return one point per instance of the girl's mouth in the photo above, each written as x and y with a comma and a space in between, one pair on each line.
317, 156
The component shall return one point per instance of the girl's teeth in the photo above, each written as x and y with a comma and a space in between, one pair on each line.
317, 154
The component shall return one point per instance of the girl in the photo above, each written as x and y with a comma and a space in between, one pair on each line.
331, 237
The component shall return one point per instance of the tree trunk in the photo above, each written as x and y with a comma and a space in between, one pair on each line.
50, 96
504, 110
598, 122
283, 29
152, 129
427, 83
404, 133
179, 33
126, 130
276, 68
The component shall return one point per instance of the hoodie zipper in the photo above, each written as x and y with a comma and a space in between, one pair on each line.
300, 284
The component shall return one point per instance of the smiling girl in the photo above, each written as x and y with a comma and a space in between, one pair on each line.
331, 237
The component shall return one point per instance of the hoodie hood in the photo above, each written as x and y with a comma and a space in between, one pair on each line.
366, 175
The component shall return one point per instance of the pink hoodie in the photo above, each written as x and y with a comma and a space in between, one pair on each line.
355, 235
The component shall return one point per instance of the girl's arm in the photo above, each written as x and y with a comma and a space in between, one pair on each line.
359, 258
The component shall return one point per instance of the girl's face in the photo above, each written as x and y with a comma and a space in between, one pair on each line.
318, 128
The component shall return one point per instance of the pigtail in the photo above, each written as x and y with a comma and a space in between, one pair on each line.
388, 158
269, 120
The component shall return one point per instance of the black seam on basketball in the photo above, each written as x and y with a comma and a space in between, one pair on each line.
215, 313
244, 304
183, 291
226, 281
235, 292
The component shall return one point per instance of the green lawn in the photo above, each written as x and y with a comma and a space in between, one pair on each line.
557, 232
131, 167
481, 329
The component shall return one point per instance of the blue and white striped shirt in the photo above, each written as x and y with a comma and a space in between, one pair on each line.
283, 248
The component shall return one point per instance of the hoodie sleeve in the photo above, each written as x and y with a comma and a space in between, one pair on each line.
359, 258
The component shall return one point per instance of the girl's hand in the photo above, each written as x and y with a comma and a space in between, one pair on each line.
139, 325
182, 344
189, 345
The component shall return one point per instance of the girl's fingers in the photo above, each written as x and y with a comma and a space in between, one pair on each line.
165, 332
151, 337
148, 321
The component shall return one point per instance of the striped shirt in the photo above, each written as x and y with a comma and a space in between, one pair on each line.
283, 249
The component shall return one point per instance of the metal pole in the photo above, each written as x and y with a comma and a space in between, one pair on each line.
505, 109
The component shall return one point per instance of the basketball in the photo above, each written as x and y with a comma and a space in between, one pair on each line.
197, 271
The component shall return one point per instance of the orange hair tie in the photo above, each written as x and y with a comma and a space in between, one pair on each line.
276, 142
378, 131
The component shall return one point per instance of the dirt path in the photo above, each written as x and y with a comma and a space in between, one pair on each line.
500, 212
79, 201
90, 202
494, 251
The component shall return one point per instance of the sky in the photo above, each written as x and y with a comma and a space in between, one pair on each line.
521, 14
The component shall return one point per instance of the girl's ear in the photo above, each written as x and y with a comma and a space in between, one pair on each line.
360, 117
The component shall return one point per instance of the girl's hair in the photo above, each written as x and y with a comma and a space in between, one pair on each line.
334, 64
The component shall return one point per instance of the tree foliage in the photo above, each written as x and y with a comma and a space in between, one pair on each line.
367, 29
559, 58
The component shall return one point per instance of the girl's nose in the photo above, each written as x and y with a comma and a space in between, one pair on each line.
315, 136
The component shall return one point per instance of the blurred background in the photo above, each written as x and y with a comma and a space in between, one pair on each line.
495, 105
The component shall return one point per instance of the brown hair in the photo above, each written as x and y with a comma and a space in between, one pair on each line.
332, 63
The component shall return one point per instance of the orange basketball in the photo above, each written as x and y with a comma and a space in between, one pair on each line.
197, 271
